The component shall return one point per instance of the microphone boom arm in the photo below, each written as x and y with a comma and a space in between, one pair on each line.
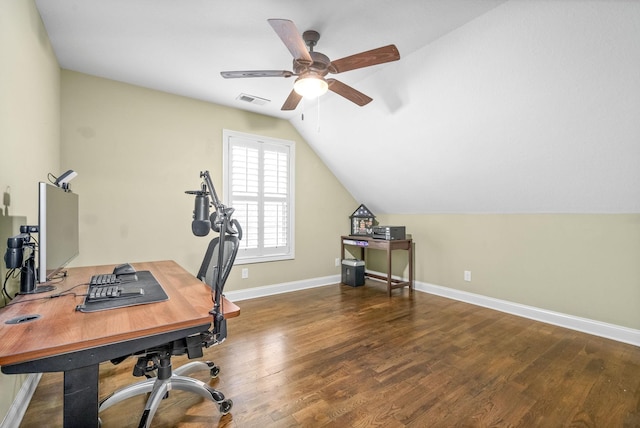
212, 190
222, 223
223, 213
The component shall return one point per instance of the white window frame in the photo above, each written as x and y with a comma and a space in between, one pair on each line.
260, 254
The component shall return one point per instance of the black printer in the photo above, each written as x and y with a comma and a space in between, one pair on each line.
389, 233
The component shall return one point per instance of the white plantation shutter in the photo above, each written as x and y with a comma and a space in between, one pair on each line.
259, 184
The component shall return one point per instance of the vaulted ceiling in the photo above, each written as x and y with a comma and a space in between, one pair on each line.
494, 106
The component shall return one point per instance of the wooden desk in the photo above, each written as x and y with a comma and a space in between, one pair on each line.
365, 242
63, 339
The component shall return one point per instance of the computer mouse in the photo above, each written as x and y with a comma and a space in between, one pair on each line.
124, 269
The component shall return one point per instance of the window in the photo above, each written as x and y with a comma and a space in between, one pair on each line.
258, 183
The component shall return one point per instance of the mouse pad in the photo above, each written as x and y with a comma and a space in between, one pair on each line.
153, 292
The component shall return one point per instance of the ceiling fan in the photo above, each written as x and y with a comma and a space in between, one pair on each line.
312, 67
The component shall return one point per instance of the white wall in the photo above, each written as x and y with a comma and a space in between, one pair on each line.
511, 149
530, 108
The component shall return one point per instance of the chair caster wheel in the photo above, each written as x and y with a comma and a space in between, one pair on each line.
213, 369
214, 372
225, 406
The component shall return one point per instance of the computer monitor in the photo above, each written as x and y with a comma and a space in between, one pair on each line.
58, 235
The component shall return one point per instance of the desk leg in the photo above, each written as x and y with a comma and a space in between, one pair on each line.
81, 397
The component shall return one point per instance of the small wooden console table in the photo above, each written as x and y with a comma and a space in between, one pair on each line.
365, 242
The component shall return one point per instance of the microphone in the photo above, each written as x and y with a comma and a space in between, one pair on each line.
201, 225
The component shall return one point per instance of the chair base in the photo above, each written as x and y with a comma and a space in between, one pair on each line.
160, 387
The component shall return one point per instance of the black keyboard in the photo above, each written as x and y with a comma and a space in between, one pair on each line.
102, 292
96, 293
104, 279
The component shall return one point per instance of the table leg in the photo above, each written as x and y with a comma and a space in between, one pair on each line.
389, 271
410, 254
81, 397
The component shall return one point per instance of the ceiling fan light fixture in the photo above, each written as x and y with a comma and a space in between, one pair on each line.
310, 86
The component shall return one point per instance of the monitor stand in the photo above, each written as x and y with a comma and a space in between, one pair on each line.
28, 279
38, 289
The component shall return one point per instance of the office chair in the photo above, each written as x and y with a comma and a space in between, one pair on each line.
155, 363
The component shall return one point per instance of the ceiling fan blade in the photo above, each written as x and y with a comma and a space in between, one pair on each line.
348, 92
292, 101
365, 59
291, 38
255, 73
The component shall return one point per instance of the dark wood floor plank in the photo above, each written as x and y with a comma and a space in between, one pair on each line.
339, 356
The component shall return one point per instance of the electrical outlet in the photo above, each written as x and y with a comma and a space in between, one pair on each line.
245, 273
337, 262
467, 275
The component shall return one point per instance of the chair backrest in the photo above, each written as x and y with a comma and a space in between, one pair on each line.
209, 269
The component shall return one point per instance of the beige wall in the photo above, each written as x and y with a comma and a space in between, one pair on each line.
578, 264
29, 127
136, 151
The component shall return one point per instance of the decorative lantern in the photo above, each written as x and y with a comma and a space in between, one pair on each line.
362, 221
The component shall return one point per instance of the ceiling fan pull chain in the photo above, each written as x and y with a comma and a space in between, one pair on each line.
318, 114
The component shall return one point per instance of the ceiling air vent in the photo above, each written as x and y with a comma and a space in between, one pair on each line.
252, 99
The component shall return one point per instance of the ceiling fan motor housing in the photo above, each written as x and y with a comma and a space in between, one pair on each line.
320, 64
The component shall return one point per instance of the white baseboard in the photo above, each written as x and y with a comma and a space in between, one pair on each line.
585, 325
19, 405
287, 287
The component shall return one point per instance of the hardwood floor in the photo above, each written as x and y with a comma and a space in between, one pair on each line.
353, 357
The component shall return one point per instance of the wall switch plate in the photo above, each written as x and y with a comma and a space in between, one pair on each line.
245, 273
467, 275
337, 262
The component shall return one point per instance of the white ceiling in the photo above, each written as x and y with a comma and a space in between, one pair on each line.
459, 124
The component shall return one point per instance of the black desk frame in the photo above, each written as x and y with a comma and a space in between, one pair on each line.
81, 372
